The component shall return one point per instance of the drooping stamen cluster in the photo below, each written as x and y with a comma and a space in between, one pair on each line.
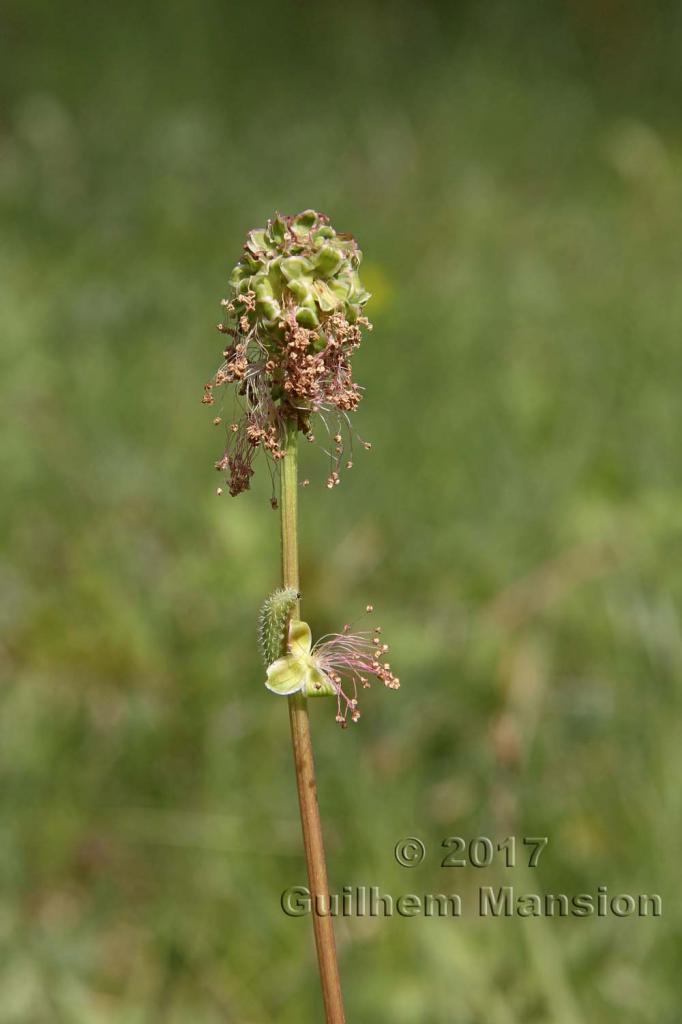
353, 658
294, 319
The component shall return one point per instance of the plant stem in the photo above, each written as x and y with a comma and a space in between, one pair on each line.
304, 762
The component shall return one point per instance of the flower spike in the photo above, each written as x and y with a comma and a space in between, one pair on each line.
292, 321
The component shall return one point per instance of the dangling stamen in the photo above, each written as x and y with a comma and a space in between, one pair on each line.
353, 657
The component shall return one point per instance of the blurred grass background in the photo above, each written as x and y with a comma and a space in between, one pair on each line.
512, 172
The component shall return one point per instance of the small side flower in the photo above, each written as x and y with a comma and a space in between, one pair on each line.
335, 666
297, 669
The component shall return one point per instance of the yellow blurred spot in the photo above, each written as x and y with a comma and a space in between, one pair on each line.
377, 282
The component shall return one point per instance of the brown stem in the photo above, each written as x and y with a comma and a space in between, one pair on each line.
304, 762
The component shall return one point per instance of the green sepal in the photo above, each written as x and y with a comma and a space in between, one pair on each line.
301, 289
318, 684
295, 267
341, 287
277, 229
286, 676
307, 317
256, 241
304, 221
300, 638
326, 298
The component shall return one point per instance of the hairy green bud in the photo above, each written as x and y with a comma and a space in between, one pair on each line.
274, 622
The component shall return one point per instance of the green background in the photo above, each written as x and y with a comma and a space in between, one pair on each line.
512, 173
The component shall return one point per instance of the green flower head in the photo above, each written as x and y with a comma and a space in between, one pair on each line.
298, 265
293, 318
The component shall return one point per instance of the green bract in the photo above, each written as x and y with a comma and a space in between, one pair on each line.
301, 265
